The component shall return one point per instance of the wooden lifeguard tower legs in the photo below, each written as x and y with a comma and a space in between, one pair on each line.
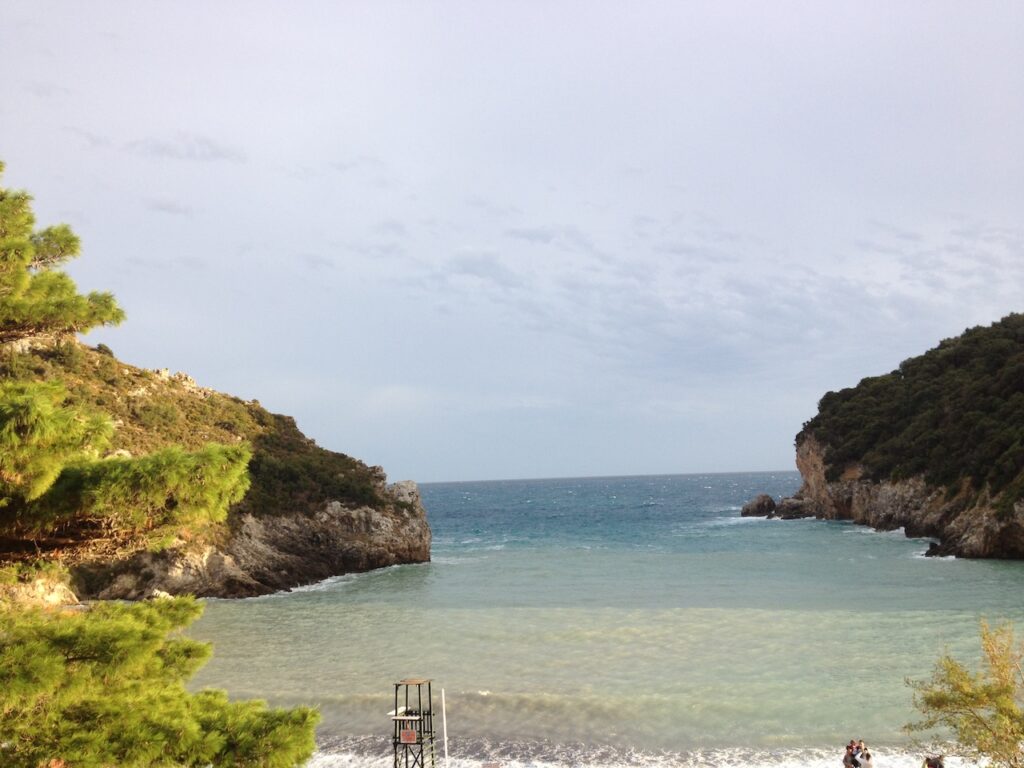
413, 724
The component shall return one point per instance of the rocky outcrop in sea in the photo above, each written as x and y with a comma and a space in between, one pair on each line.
269, 553
961, 524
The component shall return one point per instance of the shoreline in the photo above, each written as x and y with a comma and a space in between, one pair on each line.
367, 751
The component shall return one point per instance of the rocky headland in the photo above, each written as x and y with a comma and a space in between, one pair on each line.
269, 553
308, 514
934, 448
957, 526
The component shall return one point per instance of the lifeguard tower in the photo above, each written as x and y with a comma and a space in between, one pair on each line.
413, 720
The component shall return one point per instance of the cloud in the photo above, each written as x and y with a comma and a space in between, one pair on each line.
46, 90
395, 399
376, 249
169, 206
172, 264
358, 162
492, 208
92, 140
316, 262
862, 244
185, 146
898, 233
543, 235
486, 267
569, 238
392, 227
696, 251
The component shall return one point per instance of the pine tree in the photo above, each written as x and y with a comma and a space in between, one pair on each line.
106, 687
39, 436
36, 300
161, 492
50, 472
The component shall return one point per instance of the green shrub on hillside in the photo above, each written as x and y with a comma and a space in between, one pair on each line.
954, 415
136, 495
50, 475
51, 434
287, 465
39, 435
106, 686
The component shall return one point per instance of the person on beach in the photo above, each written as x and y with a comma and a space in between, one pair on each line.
857, 755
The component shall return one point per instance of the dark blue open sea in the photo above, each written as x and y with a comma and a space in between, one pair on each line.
621, 621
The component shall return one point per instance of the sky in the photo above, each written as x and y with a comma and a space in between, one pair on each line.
483, 240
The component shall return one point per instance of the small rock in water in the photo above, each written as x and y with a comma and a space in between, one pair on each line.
793, 508
762, 505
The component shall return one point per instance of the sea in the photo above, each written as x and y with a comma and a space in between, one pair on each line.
620, 621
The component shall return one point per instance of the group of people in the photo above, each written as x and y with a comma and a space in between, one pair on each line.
857, 755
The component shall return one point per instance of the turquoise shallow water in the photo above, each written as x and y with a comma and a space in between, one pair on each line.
621, 621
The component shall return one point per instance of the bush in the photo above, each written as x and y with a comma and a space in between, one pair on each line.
106, 687
171, 487
983, 709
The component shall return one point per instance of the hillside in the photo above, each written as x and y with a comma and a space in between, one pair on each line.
136, 482
936, 446
308, 513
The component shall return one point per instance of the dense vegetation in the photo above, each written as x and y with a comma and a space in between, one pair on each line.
954, 415
154, 411
52, 474
106, 687
93, 457
99, 458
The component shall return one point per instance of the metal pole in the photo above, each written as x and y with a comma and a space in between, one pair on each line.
444, 728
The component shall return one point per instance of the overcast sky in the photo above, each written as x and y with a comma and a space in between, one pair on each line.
471, 240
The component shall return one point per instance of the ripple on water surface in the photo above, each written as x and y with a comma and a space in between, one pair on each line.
642, 618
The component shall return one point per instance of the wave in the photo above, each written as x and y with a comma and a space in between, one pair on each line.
321, 586
923, 555
733, 520
375, 751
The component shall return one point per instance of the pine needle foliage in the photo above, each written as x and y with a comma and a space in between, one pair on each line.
984, 708
35, 300
106, 687
171, 487
39, 436
50, 475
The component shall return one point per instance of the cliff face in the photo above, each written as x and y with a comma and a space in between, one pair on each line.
965, 524
268, 553
309, 513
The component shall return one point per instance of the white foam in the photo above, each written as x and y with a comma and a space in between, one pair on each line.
733, 520
923, 555
321, 586
582, 756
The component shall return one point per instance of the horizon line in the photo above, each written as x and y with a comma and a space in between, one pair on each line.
607, 477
